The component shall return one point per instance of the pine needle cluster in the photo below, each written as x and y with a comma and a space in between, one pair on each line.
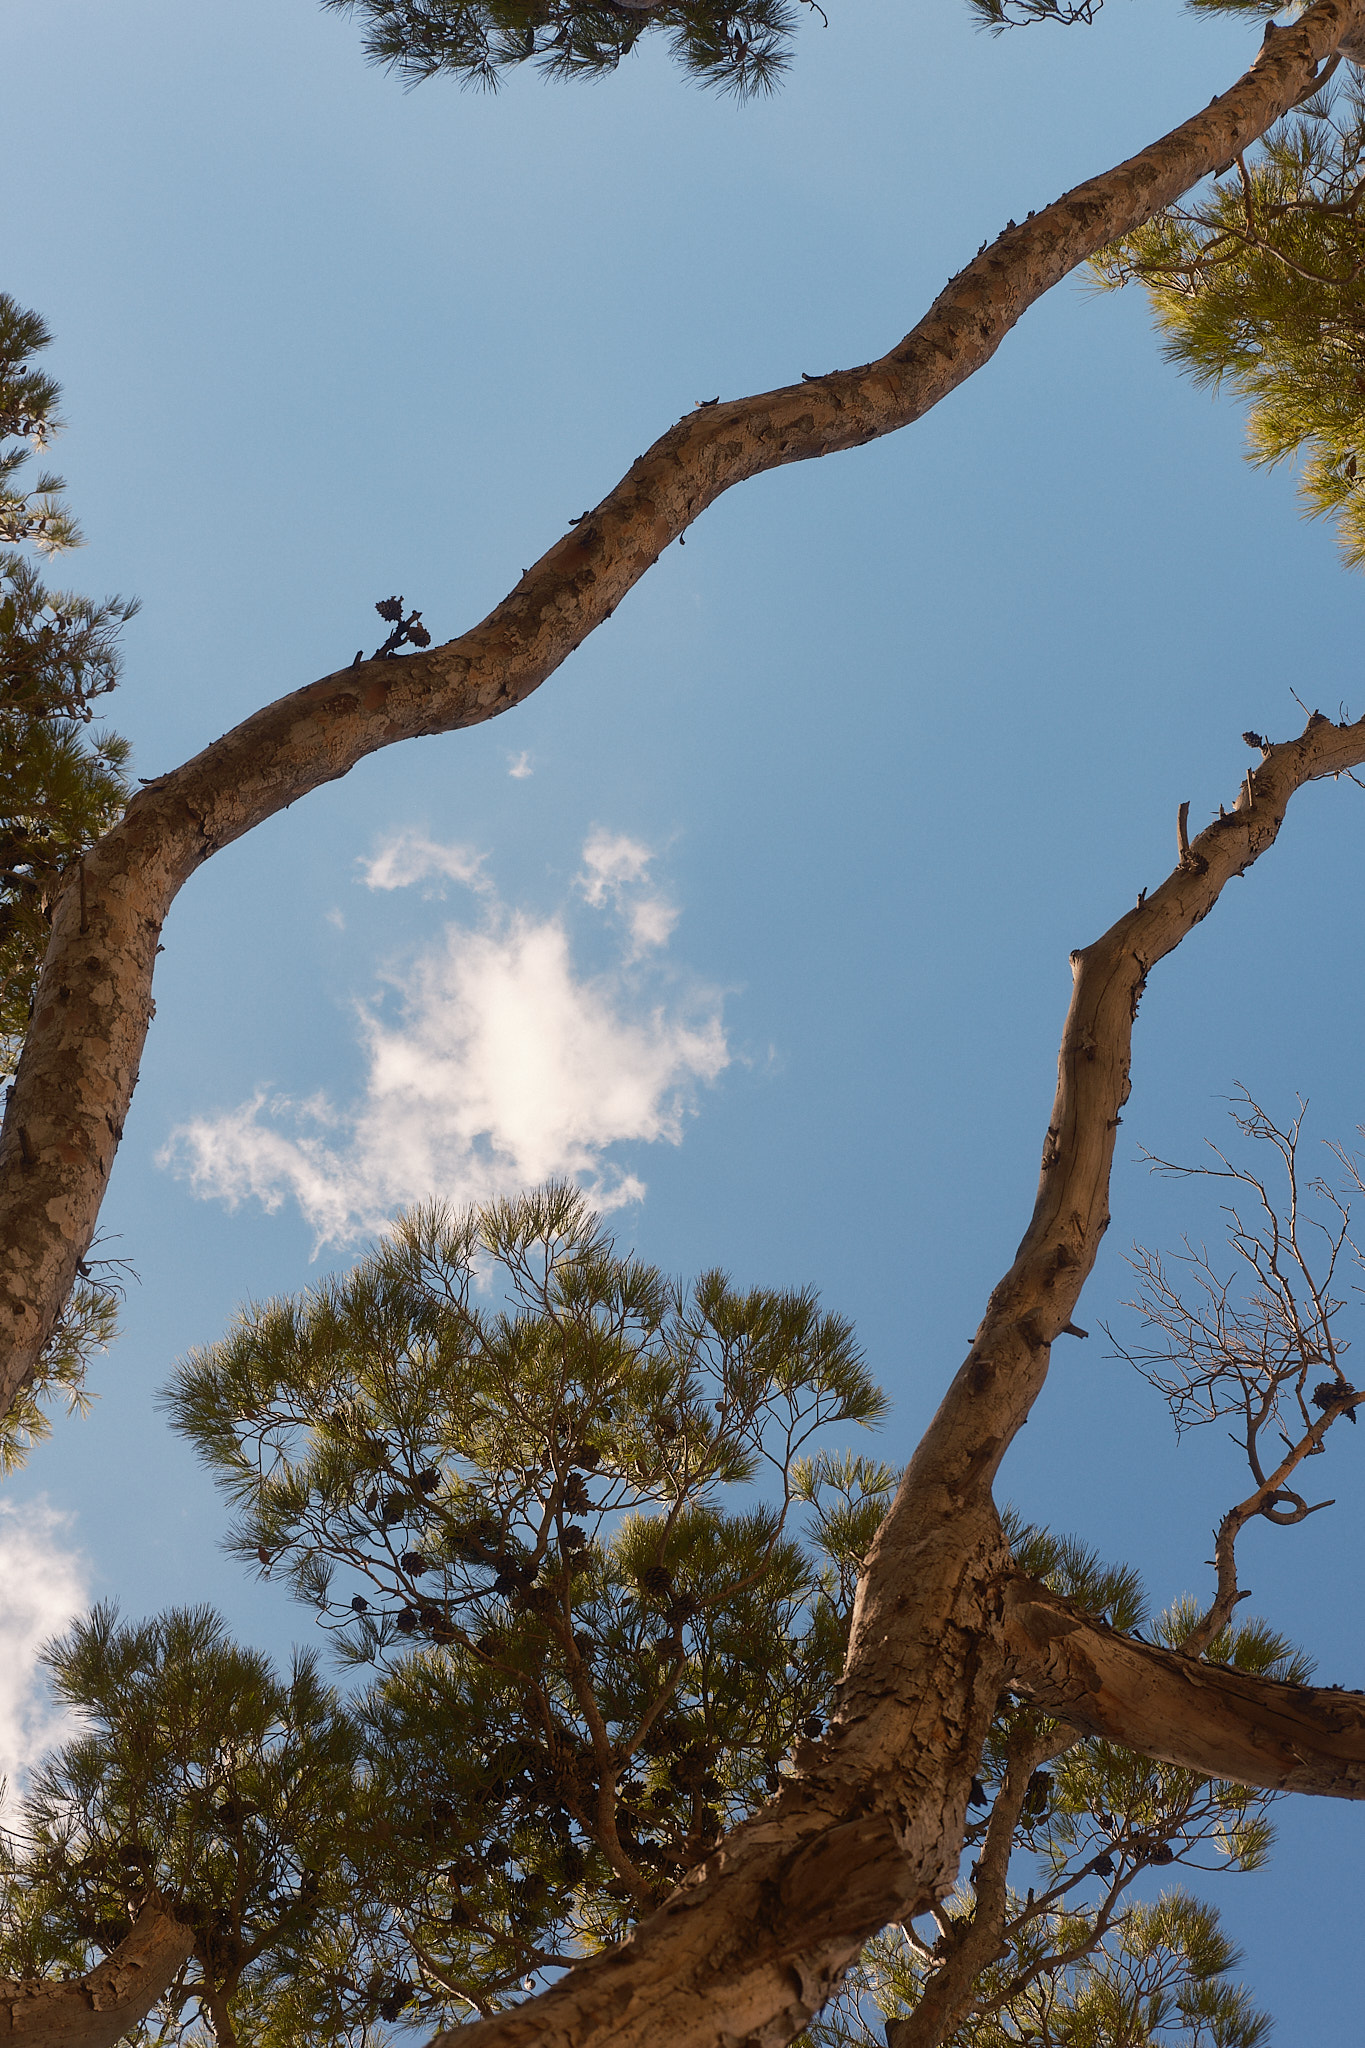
1161, 1978
741, 47
1261, 285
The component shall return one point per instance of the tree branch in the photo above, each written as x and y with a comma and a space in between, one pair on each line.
65, 1113
1266, 1495
100, 2008
870, 1827
947, 1997
1202, 1717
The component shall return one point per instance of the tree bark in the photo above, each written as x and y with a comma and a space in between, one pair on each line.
65, 1111
1204, 1717
871, 1830
98, 2009
947, 1997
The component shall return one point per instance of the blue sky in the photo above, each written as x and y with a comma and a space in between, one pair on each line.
757, 915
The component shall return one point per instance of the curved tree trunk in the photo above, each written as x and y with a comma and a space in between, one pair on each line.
65, 1112
871, 1829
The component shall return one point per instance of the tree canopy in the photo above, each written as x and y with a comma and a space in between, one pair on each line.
662, 1708
607, 1599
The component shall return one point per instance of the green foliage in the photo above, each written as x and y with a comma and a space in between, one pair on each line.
28, 402
1161, 1980
199, 1779
1262, 286
564, 1519
514, 1473
1113, 1592
738, 46
743, 47
87, 1324
62, 783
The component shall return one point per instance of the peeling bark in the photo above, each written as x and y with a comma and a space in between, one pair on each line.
65, 1112
98, 2009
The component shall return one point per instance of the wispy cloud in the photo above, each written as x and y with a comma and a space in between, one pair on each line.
615, 875
44, 1588
520, 766
506, 1065
410, 857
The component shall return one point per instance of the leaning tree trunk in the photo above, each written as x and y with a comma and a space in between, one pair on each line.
871, 1828
65, 1111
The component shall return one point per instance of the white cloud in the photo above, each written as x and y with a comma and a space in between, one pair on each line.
506, 1066
43, 1588
611, 860
410, 857
520, 766
651, 922
614, 867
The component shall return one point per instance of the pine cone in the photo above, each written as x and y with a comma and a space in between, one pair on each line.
1334, 1394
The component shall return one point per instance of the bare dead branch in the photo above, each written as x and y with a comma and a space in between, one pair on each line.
1225, 1352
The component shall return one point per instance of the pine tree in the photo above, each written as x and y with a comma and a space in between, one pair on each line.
202, 1780
946, 1620
1260, 285
62, 784
577, 1526
607, 1595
